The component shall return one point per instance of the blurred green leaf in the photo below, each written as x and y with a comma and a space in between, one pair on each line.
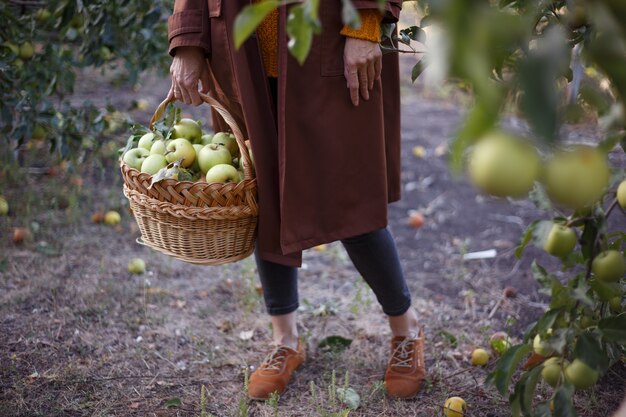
589, 350
563, 406
300, 30
614, 328
350, 15
522, 398
249, 18
349, 397
506, 367
335, 343
173, 403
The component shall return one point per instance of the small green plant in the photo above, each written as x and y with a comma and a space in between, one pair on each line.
203, 401
272, 401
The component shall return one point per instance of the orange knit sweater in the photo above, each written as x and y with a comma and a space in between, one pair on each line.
267, 33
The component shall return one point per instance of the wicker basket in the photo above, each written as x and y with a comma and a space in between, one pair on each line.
197, 222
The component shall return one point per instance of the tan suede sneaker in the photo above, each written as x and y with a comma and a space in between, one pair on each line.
406, 369
275, 371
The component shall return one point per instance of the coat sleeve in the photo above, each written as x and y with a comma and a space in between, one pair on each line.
189, 25
392, 8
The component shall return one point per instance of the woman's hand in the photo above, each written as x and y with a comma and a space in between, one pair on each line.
188, 67
362, 65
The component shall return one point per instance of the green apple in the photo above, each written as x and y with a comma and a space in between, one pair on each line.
581, 375
608, 266
222, 173
206, 138
615, 304
211, 155
27, 51
542, 348
135, 157
229, 141
480, 357
147, 140
112, 218
621, 194
158, 147
503, 165
153, 164
136, 266
577, 177
187, 129
180, 149
4, 206
551, 372
561, 241
43, 15
39, 132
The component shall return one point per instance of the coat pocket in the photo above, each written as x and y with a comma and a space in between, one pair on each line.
333, 43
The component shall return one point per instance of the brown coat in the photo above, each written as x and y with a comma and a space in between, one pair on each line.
326, 170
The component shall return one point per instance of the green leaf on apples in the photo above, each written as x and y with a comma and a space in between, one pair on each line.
527, 237
539, 197
589, 350
543, 324
131, 142
506, 367
614, 328
522, 398
563, 405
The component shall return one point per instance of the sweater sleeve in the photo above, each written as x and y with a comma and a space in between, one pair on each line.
189, 25
370, 26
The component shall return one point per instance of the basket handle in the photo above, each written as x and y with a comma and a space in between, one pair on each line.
228, 118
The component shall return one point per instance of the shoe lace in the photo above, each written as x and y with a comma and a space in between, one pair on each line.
275, 359
402, 356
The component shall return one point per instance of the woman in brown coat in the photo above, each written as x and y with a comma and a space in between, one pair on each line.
326, 142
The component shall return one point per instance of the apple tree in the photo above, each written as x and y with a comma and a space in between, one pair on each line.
44, 45
551, 62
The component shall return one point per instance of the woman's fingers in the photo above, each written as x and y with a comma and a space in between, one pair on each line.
362, 66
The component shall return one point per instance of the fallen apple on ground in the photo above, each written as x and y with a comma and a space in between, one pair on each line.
136, 266
4, 206
480, 357
499, 342
20, 234
112, 218
454, 407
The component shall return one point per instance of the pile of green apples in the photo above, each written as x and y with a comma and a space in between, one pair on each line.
198, 156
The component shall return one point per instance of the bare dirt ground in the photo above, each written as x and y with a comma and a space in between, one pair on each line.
83, 337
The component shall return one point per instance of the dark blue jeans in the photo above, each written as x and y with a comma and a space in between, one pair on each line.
373, 254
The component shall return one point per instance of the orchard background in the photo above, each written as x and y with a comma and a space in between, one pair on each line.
85, 337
